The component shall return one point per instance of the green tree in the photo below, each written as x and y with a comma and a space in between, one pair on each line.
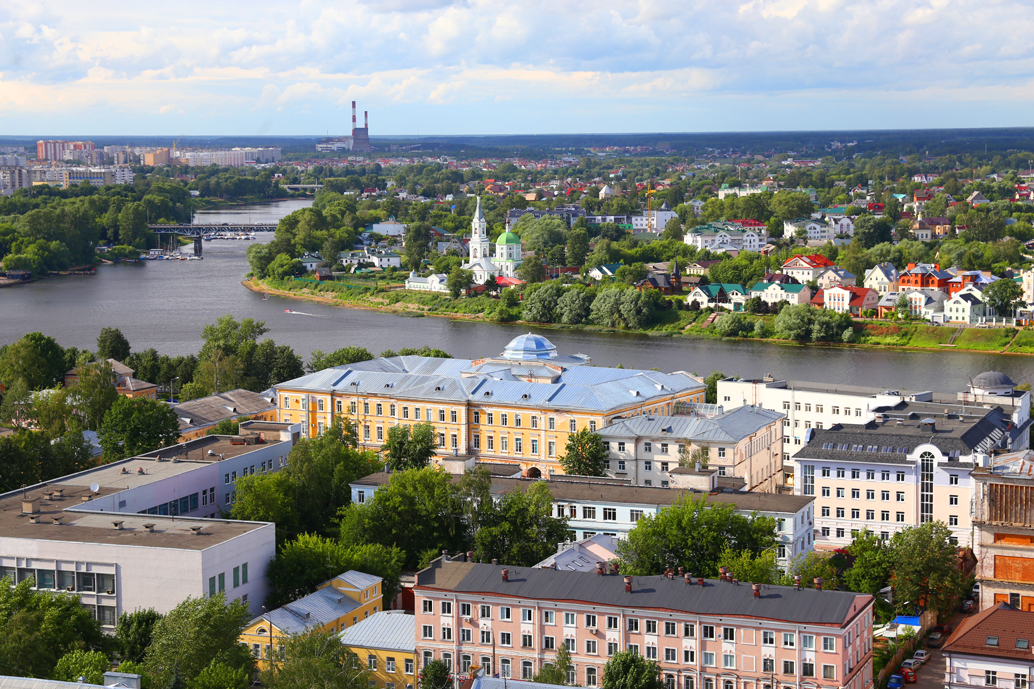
219, 372
227, 426
230, 335
631, 274
520, 529
417, 243
711, 386
112, 344
410, 447
903, 308
222, 676
542, 233
36, 359
540, 306
557, 671
731, 325
259, 258
573, 307
531, 270
459, 281
629, 670
585, 454
419, 511
812, 565
871, 568
760, 568
926, 568
340, 357
870, 231
1004, 296
90, 665
794, 322
789, 205
577, 246
134, 426
316, 659
303, 564
195, 633
283, 267
855, 260
436, 675
134, 632
985, 227
673, 230
693, 534
94, 392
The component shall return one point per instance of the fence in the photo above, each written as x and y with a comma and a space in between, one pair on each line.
927, 620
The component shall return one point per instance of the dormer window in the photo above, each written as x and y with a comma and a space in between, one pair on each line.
992, 641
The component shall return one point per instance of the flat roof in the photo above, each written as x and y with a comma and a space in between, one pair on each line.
83, 526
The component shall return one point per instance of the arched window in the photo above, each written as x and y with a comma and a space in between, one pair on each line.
728, 684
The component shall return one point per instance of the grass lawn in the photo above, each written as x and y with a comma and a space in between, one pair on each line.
930, 336
1024, 342
878, 333
987, 340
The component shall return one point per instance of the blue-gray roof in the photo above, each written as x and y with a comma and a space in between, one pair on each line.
311, 612
730, 427
388, 630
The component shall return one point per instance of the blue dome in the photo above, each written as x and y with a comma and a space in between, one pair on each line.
529, 348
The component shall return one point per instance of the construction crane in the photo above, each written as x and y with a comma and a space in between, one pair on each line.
649, 198
176, 144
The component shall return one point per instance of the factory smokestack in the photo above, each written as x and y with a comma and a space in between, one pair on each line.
366, 119
353, 114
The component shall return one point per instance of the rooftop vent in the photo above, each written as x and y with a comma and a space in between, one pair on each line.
525, 396
196, 530
48, 495
59, 492
30, 505
506, 574
34, 519
149, 527
437, 388
628, 584
117, 525
57, 518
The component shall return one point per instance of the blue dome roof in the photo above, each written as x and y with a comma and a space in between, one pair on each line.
529, 347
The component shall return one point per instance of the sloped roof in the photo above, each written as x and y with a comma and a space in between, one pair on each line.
730, 427
209, 410
994, 632
388, 630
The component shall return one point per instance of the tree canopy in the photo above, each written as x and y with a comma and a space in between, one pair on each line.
585, 454
133, 426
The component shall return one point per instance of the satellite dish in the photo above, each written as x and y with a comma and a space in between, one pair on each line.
94, 487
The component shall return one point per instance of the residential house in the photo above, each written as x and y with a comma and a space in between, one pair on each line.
815, 230
921, 196
435, 282
926, 229
774, 292
843, 226
608, 271
385, 644
383, 258
806, 269
924, 276
701, 268
125, 384
882, 278
337, 604
653, 220
781, 278
725, 235
388, 228
966, 306
582, 555
966, 278
976, 199
310, 262
990, 649
835, 275
853, 300
927, 304
719, 295
606, 192
1027, 282
510, 621
888, 305
197, 417
664, 282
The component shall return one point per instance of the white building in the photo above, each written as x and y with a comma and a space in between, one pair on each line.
435, 282
653, 221
727, 234
881, 278
508, 254
146, 532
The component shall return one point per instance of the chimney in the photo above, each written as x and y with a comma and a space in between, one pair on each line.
30, 505
797, 581
34, 519
818, 583
59, 492
353, 114
149, 527
700, 581
117, 525
599, 568
47, 495
495, 561
470, 556
689, 579
682, 570
445, 556
757, 590
366, 119
628, 584
506, 574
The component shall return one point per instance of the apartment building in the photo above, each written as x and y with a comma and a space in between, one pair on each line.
704, 634
59, 150
146, 532
337, 604
990, 649
810, 405
518, 407
1003, 526
896, 471
745, 443
386, 646
612, 508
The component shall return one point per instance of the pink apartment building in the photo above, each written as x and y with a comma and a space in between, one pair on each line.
704, 633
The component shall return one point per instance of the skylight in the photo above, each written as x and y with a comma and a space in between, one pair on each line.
992, 641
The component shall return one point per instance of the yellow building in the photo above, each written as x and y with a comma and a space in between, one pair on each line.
517, 408
386, 646
338, 604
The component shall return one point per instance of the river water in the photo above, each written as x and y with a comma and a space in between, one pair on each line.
165, 304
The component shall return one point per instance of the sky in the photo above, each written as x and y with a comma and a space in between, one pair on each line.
235, 67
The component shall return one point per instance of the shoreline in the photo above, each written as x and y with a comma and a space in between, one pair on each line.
257, 286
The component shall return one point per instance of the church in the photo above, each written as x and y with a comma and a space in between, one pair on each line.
508, 254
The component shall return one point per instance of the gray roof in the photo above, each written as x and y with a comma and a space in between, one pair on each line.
575, 386
33, 683
730, 427
992, 379
209, 410
582, 556
320, 607
656, 593
388, 630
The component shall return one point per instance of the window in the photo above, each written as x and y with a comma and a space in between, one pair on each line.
729, 661
856, 494
901, 477
901, 516
517, 445
953, 520
491, 418
789, 640
1020, 681
807, 668
446, 607
549, 616
829, 672
855, 473
485, 612
428, 606
408, 666
768, 638
854, 514
633, 624
953, 479
569, 643
590, 647
808, 642
669, 629
588, 513
840, 492
526, 641
829, 644
788, 667
647, 466
768, 665
621, 447
825, 491
728, 634
610, 514
651, 653
689, 656
590, 677
466, 636
505, 639
549, 643
428, 631
870, 495
953, 500
504, 612
590, 621
504, 667
651, 626
486, 636
671, 655
840, 473
706, 631
236, 577
526, 614
885, 495
990, 678
688, 630
840, 513
569, 620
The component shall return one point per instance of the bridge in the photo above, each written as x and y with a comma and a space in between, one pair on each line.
302, 187
198, 230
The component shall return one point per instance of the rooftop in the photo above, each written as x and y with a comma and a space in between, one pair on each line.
209, 410
388, 630
1000, 631
801, 606
582, 556
731, 426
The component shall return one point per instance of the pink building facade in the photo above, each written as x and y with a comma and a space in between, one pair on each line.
704, 633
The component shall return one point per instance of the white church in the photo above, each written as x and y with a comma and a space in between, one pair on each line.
508, 254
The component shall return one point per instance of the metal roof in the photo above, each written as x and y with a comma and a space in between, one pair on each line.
33, 683
318, 608
388, 630
732, 426
784, 603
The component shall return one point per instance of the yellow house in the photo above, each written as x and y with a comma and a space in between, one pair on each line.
518, 407
386, 646
339, 603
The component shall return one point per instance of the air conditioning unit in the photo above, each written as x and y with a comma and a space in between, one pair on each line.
592, 630
466, 618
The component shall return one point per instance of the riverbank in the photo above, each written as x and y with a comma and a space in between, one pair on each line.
672, 323
212, 204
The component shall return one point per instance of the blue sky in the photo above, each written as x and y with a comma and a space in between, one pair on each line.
79, 67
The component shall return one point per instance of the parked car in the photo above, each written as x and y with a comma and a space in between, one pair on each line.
935, 640
895, 682
968, 606
921, 656
909, 676
911, 664
975, 593
943, 629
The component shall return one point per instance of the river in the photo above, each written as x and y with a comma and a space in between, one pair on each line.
165, 304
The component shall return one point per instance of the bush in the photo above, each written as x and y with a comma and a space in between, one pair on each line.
730, 325
760, 329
